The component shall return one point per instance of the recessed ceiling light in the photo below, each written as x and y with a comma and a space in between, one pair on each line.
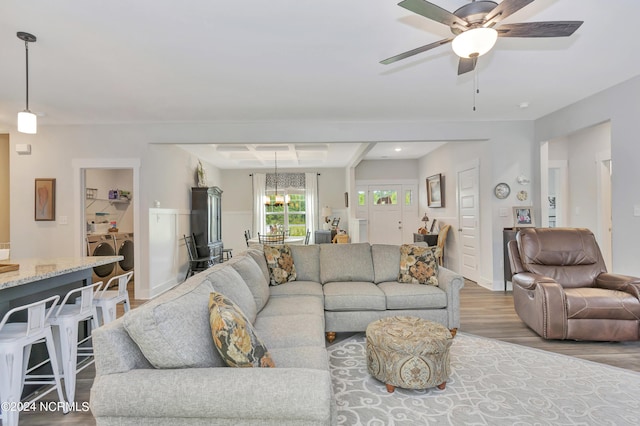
398, 149
524, 105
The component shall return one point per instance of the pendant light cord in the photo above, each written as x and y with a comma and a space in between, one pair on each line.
26, 49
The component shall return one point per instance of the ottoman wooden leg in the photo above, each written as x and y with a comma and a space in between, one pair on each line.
331, 336
442, 385
390, 388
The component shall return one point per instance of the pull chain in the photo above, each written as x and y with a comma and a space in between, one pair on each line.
476, 87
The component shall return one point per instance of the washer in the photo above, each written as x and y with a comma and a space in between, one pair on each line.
102, 245
124, 248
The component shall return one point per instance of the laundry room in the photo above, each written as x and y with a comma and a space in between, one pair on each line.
109, 218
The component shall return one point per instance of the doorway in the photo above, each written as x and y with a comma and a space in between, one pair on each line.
111, 206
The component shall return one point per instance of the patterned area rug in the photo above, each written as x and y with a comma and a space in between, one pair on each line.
492, 383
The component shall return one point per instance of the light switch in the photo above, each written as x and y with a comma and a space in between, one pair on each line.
503, 212
63, 220
636, 210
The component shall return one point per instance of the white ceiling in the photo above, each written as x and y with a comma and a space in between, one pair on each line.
123, 61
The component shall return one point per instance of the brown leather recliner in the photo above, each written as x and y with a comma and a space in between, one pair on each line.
561, 288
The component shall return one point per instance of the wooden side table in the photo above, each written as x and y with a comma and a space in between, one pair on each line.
430, 239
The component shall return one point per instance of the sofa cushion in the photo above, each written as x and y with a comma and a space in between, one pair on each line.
234, 336
413, 296
291, 331
257, 254
253, 277
314, 357
386, 262
280, 263
353, 296
228, 281
418, 265
297, 288
307, 261
345, 262
152, 326
294, 305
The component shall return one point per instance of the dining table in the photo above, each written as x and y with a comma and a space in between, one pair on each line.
287, 240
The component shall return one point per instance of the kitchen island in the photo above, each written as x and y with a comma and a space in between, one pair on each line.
38, 278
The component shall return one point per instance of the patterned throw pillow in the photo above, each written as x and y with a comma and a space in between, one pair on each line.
234, 335
418, 265
280, 263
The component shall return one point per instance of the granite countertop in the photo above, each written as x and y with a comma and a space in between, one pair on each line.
38, 269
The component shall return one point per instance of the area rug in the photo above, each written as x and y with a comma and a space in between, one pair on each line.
492, 383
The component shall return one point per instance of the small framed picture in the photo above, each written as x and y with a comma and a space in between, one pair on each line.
523, 217
435, 193
335, 223
45, 199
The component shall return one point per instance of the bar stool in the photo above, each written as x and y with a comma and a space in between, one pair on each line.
106, 300
16, 339
64, 326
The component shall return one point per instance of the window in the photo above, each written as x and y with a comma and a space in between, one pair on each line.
291, 218
382, 196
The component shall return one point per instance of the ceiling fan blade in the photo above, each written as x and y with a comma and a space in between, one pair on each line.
539, 29
433, 12
504, 9
466, 64
415, 51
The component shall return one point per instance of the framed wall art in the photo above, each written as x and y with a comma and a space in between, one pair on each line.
523, 217
435, 191
45, 199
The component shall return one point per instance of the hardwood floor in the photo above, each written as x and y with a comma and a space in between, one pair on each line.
483, 313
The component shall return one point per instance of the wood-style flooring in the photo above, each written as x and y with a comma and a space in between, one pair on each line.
483, 313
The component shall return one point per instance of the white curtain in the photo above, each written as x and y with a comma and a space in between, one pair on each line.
311, 200
259, 182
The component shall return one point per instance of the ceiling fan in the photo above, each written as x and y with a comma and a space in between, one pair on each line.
473, 26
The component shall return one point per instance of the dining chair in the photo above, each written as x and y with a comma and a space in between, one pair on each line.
65, 321
106, 300
247, 236
196, 264
442, 239
16, 340
307, 237
271, 238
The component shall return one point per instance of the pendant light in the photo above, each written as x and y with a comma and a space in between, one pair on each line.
279, 200
27, 121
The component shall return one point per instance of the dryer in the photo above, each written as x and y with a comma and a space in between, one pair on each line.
102, 245
124, 248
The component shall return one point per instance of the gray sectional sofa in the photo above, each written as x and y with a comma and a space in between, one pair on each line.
158, 364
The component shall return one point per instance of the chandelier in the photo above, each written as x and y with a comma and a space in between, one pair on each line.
279, 199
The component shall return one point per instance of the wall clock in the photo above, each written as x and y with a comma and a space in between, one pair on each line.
502, 190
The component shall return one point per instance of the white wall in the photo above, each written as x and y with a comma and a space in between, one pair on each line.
621, 105
579, 149
387, 169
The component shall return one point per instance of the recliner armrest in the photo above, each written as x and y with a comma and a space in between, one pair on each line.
619, 282
529, 281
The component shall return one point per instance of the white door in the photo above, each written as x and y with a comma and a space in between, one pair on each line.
410, 215
468, 210
385, 214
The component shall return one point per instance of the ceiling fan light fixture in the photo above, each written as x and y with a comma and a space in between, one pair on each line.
474, 42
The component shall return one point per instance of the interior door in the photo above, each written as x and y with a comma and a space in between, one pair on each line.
468, 232
385, 214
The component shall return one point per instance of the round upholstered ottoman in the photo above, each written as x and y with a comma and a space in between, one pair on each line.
408, 352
